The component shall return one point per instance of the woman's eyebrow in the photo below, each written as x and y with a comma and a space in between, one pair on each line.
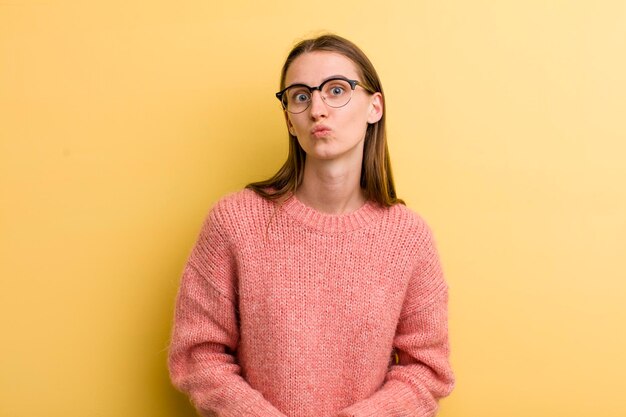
323, 80
335, 76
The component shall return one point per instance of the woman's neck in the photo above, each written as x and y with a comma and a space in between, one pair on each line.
331, 187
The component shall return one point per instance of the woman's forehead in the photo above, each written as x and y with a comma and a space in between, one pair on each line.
312, 68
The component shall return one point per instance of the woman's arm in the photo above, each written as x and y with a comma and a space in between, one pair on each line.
423, 374
206, 333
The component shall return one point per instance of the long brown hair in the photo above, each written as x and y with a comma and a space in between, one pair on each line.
376, 178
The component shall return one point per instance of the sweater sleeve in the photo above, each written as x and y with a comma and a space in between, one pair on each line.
423, 373
205, 334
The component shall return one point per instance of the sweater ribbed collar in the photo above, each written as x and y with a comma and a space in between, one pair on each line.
327, 223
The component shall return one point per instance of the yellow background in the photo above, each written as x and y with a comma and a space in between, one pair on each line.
121, 122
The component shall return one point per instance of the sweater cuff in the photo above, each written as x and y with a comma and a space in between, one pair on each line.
393, 399
238, 400
262, 409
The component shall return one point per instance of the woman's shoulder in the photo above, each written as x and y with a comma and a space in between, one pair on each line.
240, 205
237, 199
406, 217
414, 231
410, 226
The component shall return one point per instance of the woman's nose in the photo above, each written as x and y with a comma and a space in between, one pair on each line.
318, 105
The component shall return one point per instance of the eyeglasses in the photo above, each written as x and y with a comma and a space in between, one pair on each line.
336, 92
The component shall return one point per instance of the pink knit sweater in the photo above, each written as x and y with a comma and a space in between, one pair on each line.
286, 311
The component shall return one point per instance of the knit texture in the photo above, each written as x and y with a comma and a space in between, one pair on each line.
286, 311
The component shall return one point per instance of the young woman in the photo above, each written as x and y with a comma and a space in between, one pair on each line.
316, 293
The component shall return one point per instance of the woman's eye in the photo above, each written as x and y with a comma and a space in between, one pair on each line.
337, 91
300, 97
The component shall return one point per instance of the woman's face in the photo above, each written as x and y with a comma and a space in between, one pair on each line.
326, 132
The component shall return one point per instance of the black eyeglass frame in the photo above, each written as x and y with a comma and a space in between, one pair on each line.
353, 84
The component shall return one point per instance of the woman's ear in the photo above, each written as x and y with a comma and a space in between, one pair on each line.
289, 125
375, 108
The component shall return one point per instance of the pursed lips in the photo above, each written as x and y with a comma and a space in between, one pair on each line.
320, 130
